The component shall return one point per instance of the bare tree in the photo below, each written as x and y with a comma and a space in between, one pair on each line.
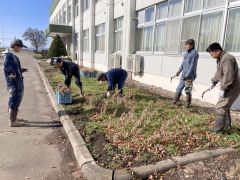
36, 37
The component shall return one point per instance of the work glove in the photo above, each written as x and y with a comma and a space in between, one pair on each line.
221, 93
24, 70
109, 93
11, 77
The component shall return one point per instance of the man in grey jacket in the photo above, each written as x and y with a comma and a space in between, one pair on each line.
14, 79
188, 69
227, 75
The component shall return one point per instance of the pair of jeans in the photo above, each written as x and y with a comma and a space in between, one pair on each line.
16, 90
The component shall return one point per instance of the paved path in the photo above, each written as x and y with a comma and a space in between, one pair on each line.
40, 150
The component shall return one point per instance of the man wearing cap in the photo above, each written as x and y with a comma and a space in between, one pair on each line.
69, 69
116, 76
227, 75
14, 78
188, 69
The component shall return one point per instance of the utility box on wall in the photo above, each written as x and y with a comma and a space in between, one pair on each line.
115, 61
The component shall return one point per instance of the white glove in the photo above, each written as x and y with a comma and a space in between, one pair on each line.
108, 94
221, 93
11, 77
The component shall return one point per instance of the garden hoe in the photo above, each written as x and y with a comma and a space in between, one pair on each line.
173, 77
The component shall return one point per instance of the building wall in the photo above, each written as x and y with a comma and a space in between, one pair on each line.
158, 66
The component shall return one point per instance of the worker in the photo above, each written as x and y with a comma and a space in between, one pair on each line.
69, 69
116, 76
14, 78
188, 69
227, 75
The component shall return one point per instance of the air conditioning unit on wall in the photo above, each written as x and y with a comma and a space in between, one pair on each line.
130, 63
137, 64
115, 61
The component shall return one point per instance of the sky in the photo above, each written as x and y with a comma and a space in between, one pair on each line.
18, 15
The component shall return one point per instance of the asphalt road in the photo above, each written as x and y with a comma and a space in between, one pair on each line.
40, 150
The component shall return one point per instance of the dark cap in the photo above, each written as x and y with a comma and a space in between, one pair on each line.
101, 76
58, 60
190, 41
17, 42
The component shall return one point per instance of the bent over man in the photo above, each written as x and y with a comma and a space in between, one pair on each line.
14, 78
69, 69
227, 75
114, 77
188, 69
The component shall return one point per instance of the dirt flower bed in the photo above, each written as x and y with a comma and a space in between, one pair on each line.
140, 128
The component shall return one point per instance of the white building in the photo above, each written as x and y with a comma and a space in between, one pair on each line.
148, 35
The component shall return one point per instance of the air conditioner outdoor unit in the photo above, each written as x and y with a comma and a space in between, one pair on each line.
117, 60
137, 64
130, 63
111, 61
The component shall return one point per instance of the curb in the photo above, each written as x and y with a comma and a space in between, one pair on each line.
93, 171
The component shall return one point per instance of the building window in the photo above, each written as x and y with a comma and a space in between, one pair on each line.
190, 30
118, 34
149, 14
145, 29
100, 37
160, 37
173, 33
211, 28
77, 10
162, 10
76, 39
175, 7
86, 40
193, 5
64, 17
69, 14
141, 17
85, 5
212, 3
232, 42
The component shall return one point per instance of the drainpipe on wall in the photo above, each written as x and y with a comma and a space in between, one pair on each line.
73, 49
129, 32
92, 33
109, 33
80, 49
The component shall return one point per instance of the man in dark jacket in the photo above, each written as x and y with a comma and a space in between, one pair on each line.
227, 75
69, 69
14, 78
114, 77
188, 69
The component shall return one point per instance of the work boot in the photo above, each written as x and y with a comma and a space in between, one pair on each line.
188, 100
13, 118
219, 124
228, 124
120, 93
176, 98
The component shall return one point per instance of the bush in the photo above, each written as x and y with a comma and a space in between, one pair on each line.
57, 48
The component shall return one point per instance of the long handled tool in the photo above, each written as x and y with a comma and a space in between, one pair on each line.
173, 77
209, 89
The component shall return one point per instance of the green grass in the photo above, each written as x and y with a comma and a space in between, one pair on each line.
141, 127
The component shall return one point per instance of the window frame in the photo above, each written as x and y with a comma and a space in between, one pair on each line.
100, 35
118, 30
237, 54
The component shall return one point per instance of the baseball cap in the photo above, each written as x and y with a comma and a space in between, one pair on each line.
17, 42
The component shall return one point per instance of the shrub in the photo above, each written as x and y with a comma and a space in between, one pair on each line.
57, 48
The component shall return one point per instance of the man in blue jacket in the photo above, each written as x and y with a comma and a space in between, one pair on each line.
69, 69
14, 78
188, 69
114, 77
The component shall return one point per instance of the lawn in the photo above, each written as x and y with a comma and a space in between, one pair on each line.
141, 127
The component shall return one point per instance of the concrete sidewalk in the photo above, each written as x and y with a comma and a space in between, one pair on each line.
26, 152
